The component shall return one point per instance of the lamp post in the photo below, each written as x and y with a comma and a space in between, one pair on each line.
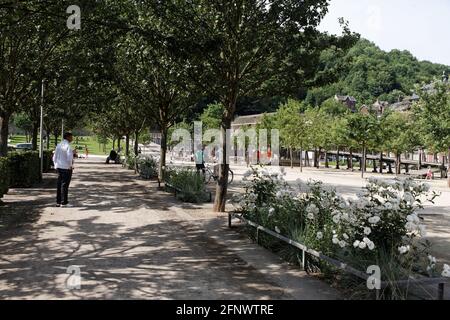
41, 131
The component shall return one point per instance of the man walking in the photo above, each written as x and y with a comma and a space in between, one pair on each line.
63, 160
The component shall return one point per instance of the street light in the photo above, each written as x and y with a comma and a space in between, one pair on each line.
41, 134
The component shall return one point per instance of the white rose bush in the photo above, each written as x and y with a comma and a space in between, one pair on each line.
381, 226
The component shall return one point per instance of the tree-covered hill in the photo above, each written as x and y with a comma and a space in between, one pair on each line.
369, 73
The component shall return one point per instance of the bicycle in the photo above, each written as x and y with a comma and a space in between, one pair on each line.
210, 174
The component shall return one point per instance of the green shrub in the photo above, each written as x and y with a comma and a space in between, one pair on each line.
48, 160
4, 176
381, 226
24, 168
130, 162
189, 183
148, 168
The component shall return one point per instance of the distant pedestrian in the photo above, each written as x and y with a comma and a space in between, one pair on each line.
429, 174
63, 159
200, 159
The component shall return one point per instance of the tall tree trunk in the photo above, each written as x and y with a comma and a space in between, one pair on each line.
381, 162
327, 165
136, 150
301, 159
127, 145
114, 144
448, 168
119, 143
163, 152
35, 133
337, 159
363, 162
315, 158
307, 164
48, 140
398, 163
222, 181
351, 160
4, 131
136, 143
291, 155
374, 166
419, 165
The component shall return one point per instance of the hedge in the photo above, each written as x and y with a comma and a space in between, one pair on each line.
24, 168
4, 176
48, 160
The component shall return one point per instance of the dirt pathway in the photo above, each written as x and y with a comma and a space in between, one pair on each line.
131, 241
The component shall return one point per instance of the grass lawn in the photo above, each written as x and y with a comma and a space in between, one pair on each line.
91, 142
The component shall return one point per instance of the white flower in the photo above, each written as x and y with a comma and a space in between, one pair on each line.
423, 231
342, 244
310, 216
413, 218
336, 218
366, 240
431, 259
374, 220
345, 236
277, 230
411, 226
408, 197
271, 211
371, 246
404, 249
356, 243
312, 208
362, 245
446, 271
319, 235
367, 231
335, 239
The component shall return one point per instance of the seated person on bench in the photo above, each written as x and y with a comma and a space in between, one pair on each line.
113, 156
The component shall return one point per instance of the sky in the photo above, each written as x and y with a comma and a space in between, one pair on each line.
419, 26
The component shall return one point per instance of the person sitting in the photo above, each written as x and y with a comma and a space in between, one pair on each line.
113, 156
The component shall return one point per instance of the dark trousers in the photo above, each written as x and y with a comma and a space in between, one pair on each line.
64, 178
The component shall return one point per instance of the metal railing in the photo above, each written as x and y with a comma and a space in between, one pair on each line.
336, 263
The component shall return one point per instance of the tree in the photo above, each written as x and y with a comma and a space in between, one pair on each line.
363, 131
433, 116
212, 116
288, 121
154, 74
22, 121
252, 48
400, 135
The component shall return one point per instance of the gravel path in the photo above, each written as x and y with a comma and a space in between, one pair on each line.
131, 241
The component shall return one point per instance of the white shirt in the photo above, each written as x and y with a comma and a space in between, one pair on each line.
63, 157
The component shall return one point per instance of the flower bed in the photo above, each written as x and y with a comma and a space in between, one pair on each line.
188, 185
379, 227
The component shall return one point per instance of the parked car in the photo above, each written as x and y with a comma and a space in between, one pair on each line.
24, 146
